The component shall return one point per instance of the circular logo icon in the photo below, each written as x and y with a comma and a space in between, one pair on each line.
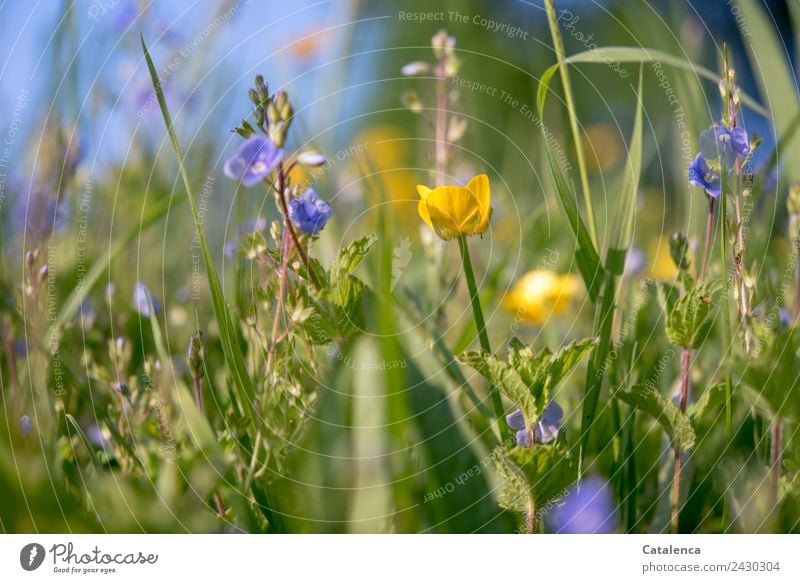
31, 556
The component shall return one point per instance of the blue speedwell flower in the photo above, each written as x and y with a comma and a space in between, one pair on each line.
309, 213
254, 160
544, 431
704, 177
589, 508
725, 144
141, 295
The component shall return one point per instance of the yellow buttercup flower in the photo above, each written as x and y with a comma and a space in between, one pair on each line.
541, 293
454, 211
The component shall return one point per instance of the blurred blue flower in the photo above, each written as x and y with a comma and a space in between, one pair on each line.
140, 294
309, 213
589, 508
635, 263
25, 425
255, 159
544, 431
95, 436
725, 144
701, 175
785, 318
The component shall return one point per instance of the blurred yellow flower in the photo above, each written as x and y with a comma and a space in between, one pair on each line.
541, 293
602, 147
453, 211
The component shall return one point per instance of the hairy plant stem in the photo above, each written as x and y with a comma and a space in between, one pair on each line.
686, 359
288, 226
477, 313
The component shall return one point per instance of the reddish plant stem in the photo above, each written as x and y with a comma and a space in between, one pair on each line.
441, 125
198, 394
777, 456
287, 225
686, 356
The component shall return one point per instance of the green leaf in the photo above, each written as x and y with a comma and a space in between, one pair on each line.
674, 423
539, 475
350, 256
712, 399
687, 321
528, 378
228, 333
509, 381
775, 374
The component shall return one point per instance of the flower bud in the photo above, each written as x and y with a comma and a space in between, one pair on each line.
415, 68
196, 354
311, 158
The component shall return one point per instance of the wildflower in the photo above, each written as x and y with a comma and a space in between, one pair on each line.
635, 263
704, 177
545, 429
309, 213
785, 318
25, 425
455, 211
725, 144
588, 509
255, 159
540, 293
142, 297
95, 436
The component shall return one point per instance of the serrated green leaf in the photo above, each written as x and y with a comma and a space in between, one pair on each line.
349, 257
712, 399
674, 423
535, 475
687, 320
508, 380
528, 378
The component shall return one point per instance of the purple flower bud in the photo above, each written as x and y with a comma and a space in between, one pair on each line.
589, 508
701, 175
255, 159
309, 213
725, 144
25, 425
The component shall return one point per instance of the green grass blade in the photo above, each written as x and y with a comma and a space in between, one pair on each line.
558, 45
621, 237
89, 447
228, 335
769, 60
603, 55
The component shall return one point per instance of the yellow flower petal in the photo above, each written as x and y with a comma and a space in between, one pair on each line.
453, 211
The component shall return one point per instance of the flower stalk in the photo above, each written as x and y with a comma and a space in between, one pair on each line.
477, 313
686, 358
